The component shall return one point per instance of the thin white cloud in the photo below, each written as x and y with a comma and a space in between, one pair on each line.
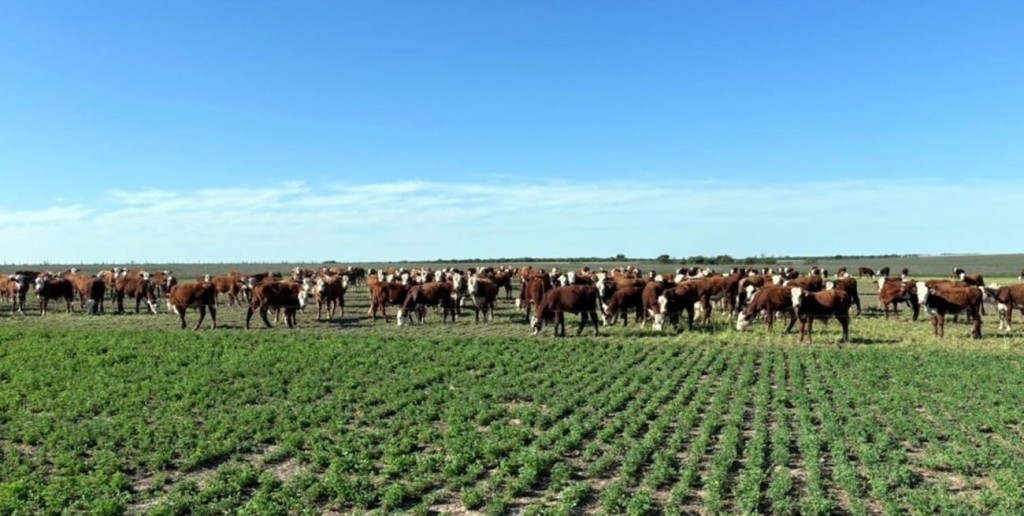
426, 220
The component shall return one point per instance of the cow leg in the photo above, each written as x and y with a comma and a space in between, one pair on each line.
976, 330
213, 317
263, 315
289, 317
593, 319
559, 323
202, 316
248, 316
844, 321
856, 301
584, 318
42, 306
792, 321
181, 315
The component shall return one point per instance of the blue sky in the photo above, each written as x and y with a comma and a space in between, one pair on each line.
332, 130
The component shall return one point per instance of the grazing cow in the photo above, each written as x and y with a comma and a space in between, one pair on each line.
849, 285
809, 306
893, 291
1008, 298
330, 291
427, 294
136, 285
54, 287
768, 300
385, 293
943, 299
683, 297
202, 296
865, 271
577, 299
483, 292
621, 302
289, 295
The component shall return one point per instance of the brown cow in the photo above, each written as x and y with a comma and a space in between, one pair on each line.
54, 287
329, 291
432, 294
893, 291
652, 306
725, 288
1009, 297
849, 285
768, 300
809, 306
202, 296
136, 285
91, 290
577, 299
385, 293
483, 292
974, 279
289, 295
865, 271
533, 292
162, 283
234, 285
622, 301
18, 285
674, 301
943, 299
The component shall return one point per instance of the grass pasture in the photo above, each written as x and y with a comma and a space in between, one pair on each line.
113, 414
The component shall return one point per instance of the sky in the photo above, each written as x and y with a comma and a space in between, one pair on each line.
370, 131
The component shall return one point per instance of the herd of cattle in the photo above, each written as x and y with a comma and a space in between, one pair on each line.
544, 295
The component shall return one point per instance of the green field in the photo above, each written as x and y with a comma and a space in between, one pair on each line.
127, 413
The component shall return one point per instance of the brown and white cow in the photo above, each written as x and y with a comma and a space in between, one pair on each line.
533, 292
849, 285
18, 286
1008, 298
289, 295
683, 297
134, 284
483, 293
49, 287
624, 300
201, 296
652, 306
768, 300
329, 292
427, 294
385, 293
892, 291
162, 282
809, 306
577, 299
944, 299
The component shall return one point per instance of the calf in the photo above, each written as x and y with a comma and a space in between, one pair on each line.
768, 300
432, 294
809, 306
202, 296
483, 293
1008, 298
621, 302
289, 295
943, 299
577, 299
54, 287
652, 306
233, 285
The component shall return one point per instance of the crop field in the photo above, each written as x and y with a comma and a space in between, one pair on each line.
128, 414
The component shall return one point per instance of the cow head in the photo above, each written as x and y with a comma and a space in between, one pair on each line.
319, 287
797, 296
537, 323
206, 279
962, 275
144, 276
18, 282
923, 293
344, 282
41, 281
830, 285
742, 321
303, 298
